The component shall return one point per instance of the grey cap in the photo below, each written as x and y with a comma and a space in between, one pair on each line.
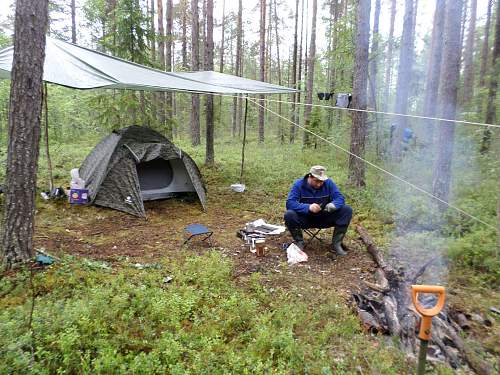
319, 172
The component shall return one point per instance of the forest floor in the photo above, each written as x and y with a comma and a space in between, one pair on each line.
111, 236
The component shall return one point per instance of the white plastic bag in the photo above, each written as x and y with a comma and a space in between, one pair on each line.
295, 255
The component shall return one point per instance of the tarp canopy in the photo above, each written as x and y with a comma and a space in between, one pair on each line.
73, 66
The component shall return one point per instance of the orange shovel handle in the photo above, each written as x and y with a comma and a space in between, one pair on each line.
427, 313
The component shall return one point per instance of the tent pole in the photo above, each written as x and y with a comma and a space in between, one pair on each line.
244, 139
46, 136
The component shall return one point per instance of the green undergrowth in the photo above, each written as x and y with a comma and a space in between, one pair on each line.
123, 320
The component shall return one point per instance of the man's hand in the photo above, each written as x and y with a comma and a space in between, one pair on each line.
330, 207
314, 208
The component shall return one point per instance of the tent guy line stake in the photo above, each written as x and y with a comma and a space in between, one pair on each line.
380, 169
464, 122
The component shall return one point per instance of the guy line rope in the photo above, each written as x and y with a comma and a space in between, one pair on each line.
378, 167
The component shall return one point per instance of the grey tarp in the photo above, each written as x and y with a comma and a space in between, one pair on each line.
110, 170
73, 66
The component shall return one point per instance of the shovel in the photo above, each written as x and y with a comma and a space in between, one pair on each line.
427, 313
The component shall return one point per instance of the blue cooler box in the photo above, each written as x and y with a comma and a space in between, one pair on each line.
79, 196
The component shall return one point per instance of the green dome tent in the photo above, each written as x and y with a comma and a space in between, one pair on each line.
135, 164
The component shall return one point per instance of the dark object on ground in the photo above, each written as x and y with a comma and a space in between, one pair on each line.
44, 260
325, 95
1, 189
194, 230
136, 164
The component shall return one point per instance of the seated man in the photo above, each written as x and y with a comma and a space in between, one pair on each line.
315, 202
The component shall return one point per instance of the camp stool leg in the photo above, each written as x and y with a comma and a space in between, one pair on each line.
313, 234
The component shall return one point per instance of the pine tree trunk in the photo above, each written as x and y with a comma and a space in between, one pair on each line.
262, 55
358, 130
404, 76
310, 74
160, 96
434, 70
332, 45
293, 96
299, 73
152, 26
372, 98
462, 29
485, 49
195, 65
209, 53
447, 100
222, 37
468, 59
31, 20
169, 38
184, 7
390, 51
73, 22
278, 68
237, 70
493, 86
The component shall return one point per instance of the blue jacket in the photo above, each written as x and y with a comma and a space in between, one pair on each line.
302, 195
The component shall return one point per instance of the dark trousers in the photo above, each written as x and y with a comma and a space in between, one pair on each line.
339, 218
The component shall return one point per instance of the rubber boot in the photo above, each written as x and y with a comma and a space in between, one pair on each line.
298, 238
338, 236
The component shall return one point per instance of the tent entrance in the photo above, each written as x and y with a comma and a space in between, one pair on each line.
160, 178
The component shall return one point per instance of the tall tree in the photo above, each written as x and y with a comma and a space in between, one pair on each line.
195, 65
184, 9
73, 22
169, 39
209, 65
469, 55
491, 108
404, 75
434, 68
310, 74
485, 49
160, 96
294, 95
372, 98
31, 21
278, 69
222, 37
447, 99
237, 69
390, 50
358, 130
262, 61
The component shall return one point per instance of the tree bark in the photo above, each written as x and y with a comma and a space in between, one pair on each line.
209, 64
262, 58
434, 69
485, 49
293, 96
31, 21
278, 68
310, 75
469, 54
222, 38
372, 102
358, 130
160, 96
237, 70
73, 22
493, 86
390, 50
447, 100
153, 38
195, 65
169, 103
184, 7
404, 76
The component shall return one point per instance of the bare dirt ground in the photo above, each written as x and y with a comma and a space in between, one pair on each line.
111, 236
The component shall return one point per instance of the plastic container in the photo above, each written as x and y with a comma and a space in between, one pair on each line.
239, 188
